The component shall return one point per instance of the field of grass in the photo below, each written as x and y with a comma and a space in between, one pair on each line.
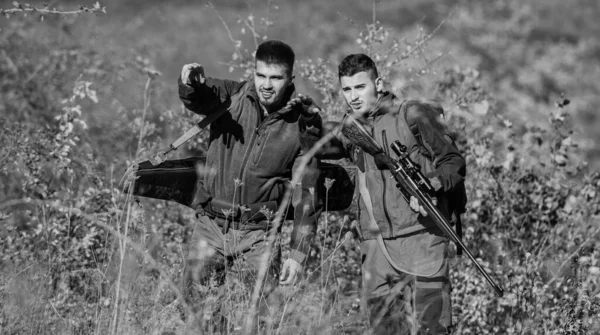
82, 97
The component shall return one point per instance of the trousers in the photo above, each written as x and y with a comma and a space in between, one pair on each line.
223, 267
413, 302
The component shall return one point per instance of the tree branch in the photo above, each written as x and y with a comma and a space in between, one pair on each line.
24, 8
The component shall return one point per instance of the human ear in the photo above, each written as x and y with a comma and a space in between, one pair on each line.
379, 85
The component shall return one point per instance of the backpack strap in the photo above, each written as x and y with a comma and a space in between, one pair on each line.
417, 136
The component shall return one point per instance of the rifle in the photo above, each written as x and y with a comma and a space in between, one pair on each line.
411, 182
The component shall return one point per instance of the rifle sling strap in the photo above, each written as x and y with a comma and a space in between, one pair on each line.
366, 197
193, 131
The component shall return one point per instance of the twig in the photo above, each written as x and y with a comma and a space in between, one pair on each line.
374, 11
14, 202
305, 280
229, 34
18, 273
144, 111
55, 311
346, 238
278, 219
249, 22
122, 248
24, 8
269, 13
573, 254
419, 45
139, 249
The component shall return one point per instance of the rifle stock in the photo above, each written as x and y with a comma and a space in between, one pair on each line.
410, 180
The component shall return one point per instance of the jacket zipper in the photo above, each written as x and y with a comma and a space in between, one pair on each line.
255, 133
385, 209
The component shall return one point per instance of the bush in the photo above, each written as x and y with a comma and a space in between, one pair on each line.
79, 255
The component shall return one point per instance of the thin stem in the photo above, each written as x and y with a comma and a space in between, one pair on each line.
324, 280
144, 111
573, 254
374, 11
250, 24
278, 218
229, 34
140, 250
46, 10
269, 21
122, 256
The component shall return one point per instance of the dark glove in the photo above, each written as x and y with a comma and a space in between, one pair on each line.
309, 107
383, 161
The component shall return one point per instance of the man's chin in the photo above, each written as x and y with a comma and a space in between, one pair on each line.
266, 103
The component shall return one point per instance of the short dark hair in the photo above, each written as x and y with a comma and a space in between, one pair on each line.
356, 63
276, 52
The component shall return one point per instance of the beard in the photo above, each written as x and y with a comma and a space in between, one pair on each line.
269, 99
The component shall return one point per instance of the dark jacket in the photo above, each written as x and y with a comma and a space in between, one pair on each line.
393, 119
250, 156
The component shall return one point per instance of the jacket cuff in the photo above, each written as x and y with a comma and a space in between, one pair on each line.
309, 118
298, 256
184, 89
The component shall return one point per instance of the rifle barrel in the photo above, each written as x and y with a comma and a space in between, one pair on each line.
442, 223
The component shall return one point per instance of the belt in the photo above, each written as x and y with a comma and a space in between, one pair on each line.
248, 217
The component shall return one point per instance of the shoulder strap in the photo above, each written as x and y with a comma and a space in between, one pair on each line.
195, 130
415, 133
366, 197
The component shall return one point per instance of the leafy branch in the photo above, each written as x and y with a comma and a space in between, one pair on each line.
45, 10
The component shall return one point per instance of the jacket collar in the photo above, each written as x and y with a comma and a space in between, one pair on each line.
384, 100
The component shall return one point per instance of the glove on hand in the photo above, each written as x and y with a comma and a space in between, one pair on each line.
383, 161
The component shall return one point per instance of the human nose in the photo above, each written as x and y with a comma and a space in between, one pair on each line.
353, 95
267, 84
